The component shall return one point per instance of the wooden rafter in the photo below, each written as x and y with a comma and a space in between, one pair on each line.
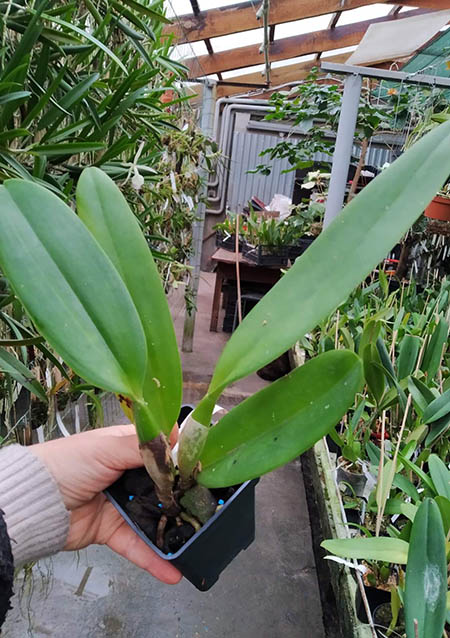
304, 44
278, 76
242, 16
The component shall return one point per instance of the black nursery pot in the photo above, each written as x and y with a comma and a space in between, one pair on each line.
203, 558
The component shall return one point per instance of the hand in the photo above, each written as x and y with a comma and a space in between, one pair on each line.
85, 464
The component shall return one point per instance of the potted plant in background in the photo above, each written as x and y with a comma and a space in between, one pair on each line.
439, 207
108, 318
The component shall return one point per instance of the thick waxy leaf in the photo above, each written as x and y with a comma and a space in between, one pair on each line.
440, 475
409, 351
70, 288
444, 507
421, 394
396, 506
437, 408
433, 353
437, 429
426, 574
281, 421
388, 550
373, 372
67, 149
352, 245
105, 212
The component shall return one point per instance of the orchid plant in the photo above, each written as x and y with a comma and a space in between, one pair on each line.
89, 284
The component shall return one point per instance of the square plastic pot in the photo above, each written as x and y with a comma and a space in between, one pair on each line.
203, 558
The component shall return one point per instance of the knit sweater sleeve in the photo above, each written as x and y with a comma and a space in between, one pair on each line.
36, 518
6, 570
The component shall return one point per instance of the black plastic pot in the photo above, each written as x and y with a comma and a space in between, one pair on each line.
266, 255
203, 558
227, 241
301, 245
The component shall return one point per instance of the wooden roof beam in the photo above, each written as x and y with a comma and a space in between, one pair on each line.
292, 47
242, 16
278, 76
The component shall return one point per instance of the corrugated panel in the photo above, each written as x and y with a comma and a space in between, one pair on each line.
244, 157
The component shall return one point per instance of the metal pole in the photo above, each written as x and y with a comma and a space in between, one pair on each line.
206, 125
344, 144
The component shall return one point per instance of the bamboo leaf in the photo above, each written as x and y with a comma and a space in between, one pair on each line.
70, 289
425, 596
388, 550
105, 212
328, 271
281, 421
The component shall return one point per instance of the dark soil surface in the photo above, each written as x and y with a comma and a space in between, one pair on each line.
135, 493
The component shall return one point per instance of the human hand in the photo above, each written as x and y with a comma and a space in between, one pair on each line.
84, 465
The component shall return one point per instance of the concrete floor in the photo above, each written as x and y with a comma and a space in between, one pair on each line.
269, 591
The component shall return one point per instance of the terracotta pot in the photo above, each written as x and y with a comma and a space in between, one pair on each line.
439, 208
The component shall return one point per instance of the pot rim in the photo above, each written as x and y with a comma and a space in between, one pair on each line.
193, 538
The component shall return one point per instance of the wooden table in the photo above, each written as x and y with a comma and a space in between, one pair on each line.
248, 270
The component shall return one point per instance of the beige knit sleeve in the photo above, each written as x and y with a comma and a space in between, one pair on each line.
35, 515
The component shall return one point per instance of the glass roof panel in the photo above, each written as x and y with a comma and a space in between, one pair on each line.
177, 7
248, 69
191, 50
213, 4
364, 13
328, 54
226, 42
307, 25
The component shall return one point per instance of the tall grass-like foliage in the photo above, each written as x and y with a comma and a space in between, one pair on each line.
81, 83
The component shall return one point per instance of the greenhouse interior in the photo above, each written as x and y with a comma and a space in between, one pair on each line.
225, 319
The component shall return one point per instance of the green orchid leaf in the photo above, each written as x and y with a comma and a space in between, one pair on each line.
104, 210
74, 148
437, 429
426, 575
329, 270
419, 472
388, 550
440, 475
407, 487
421, 394
444, 507
370, 334
433, 352
438, 408
374, 372
281, 421
70, 288
409, 351
396, 506
18, 371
